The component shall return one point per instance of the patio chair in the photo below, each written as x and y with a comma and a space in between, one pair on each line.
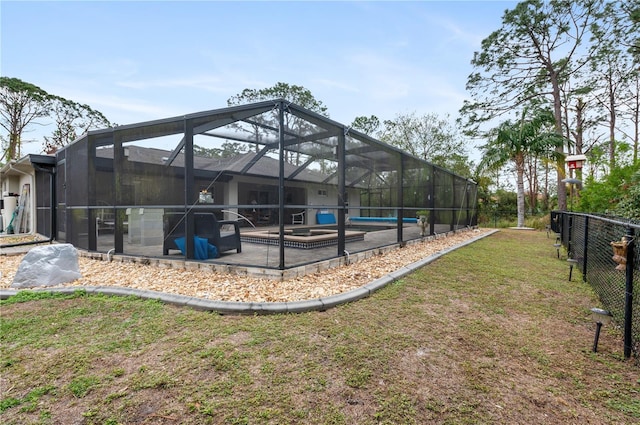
206, 226
297, 218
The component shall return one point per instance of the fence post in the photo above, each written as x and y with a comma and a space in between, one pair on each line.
564, 227
628, 302
585, 248
570, 237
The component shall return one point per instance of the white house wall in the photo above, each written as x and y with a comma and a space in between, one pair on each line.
231, 193
316, 200
13, 184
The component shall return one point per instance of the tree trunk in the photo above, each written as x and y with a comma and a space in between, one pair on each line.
612, 127
13, 152
636, 120
580, 107
557, 113
546, 186
520, 186
532, 165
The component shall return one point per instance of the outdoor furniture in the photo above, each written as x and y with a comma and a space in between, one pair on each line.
206, 226
297, 218
325, 217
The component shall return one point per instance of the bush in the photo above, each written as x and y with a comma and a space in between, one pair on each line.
629, 205
603, 197
538, 222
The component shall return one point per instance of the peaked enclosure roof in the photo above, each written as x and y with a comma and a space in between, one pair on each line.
308, 136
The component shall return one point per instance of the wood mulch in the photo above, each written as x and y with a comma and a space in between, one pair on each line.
230, 287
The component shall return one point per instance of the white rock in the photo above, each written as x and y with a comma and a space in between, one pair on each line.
48, 266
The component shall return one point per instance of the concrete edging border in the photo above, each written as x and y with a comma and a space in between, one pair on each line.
251, 308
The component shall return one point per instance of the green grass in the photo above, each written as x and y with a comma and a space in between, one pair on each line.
490, 333
535, 221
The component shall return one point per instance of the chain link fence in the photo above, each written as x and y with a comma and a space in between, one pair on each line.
588, 240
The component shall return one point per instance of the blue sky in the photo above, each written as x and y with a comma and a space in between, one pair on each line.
139, 61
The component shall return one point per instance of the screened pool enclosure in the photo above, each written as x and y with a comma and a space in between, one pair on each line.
268, 185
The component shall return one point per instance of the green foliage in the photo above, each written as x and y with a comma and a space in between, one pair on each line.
516, 143
538, 222
23, 104
526, 57
368, 125
604, 196
229, 149
293, 93
429, 137
532, 135
72, 119
358, 377
498, 209
629, 205
556, 53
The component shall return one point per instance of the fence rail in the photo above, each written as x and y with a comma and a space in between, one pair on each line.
588, 240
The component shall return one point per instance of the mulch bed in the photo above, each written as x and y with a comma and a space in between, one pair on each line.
229, 287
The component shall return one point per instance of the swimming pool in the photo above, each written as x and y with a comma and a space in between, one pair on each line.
304, 238
382, 219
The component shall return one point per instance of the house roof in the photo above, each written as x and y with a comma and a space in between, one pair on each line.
26, 164
242, 164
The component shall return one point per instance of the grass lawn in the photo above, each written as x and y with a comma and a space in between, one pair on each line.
490, 333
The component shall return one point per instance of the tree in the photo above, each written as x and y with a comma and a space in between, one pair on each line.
266, 122
631, 102
293, 93
21, 104
229, 149
367, 125
629, 205
612, 69
531, 56
71, 118
430, 138
632, 9
514, 143
603, 196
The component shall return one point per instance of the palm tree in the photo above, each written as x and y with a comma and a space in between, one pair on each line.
514, 142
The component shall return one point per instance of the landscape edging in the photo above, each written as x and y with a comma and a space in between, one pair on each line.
245, 308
